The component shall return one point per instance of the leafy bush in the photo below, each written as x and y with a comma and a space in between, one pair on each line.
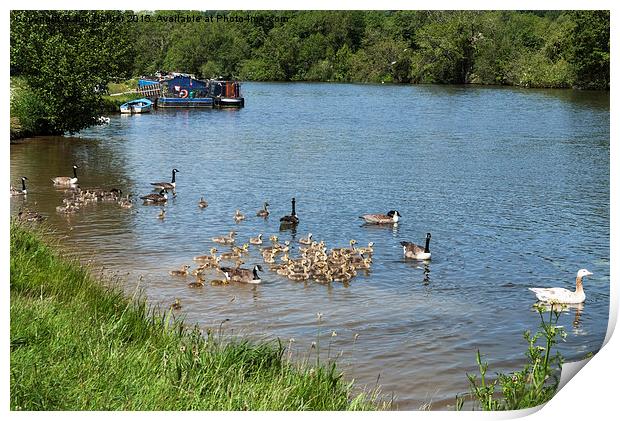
534, 385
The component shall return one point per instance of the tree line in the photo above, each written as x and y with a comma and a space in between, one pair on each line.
67, 57
532, 49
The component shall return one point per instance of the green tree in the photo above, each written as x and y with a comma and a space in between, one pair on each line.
67, 59
590, 55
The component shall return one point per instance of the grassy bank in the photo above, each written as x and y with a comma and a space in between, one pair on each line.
77, 345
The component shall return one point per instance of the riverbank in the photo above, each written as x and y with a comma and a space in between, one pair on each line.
79, 345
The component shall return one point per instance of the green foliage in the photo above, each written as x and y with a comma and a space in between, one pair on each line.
534, 385
78, 345
26, 108
67, 59
590, 55
534, 49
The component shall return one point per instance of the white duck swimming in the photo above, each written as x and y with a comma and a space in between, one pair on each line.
563, 295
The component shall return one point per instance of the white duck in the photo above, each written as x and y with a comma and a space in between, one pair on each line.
563, 295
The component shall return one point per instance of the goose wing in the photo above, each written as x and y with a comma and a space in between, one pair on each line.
289, 219
412, 247
376, 218
154, 197
559, 295
163, 185
61, 180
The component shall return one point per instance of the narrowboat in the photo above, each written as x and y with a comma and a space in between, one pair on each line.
181, 90
225, 94
137, 106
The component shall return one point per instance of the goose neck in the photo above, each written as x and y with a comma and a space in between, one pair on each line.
579, 284
426, 247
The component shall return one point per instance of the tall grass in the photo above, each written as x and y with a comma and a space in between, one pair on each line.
79, 345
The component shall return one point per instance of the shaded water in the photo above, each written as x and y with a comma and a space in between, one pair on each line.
513, 185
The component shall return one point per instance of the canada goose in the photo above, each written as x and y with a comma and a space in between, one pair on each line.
29, 216
162, 214
242, 275
257, 240
206, 257
69, 207
367, 250
101, 194
562, 295
184, 271
67, 181
125, 202
413, 251
306, 240
375, 218
292, 219
176, 305
23, 191
241, 250
346, 251
299, 276
161, 197
199, 271
225, 281
199, 283
238, 216
167, 186
361, 262
230, 255
202, 203
270, 257
229, 239
263, 213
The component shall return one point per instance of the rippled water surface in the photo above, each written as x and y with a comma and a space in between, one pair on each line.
512, 184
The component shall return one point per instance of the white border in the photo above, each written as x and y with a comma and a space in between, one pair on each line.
590, 394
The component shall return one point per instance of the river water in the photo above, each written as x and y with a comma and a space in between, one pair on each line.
513, 184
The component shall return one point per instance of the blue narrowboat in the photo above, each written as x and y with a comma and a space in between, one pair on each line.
181, 90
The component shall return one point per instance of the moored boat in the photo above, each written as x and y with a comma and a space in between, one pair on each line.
137, 106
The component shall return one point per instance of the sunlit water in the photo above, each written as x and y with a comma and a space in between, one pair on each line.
513, 185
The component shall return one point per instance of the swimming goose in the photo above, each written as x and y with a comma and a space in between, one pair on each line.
292, 219
562, 295
206, 257
199, 283
346, 251
375, 218
202, 203
125, 202
168, 186
176, 305
257, 240
413, 251
263, 213
229, 239
231, 255
67, 181
242, 275
306, 240
23, 191
182, 272
238, 216
161, 197
367, 250
29, 215
225, 281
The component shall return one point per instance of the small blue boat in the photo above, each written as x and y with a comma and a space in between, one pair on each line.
137, 106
